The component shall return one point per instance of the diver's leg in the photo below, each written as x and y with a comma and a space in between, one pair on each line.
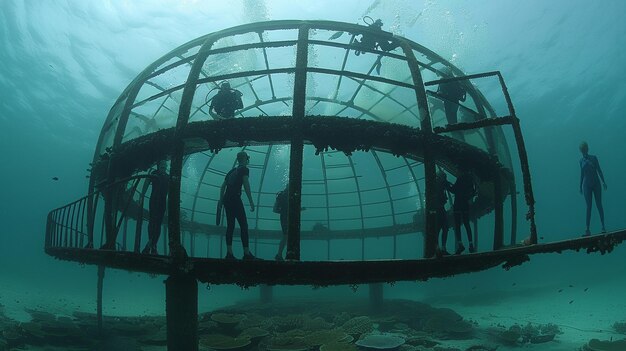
587, 193
240, 214
597, 192
457, 232
451, 110
468, 230
283, 240
230, 227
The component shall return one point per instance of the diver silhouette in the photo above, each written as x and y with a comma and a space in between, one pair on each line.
230, 198
373, 42
157, 206
226, 101
590, 184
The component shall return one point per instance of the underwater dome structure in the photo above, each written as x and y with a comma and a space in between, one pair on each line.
352, 119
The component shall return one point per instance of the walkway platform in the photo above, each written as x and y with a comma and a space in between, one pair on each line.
324, 273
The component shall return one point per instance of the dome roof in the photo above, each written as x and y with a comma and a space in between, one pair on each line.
349, 72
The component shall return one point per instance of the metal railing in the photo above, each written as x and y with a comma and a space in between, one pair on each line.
83, 223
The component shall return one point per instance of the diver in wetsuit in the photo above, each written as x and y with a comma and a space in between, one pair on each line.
463, 190
590, 184
443, 186
157, 207
369, 42
281, 206
226, 101
230, 198
453, 93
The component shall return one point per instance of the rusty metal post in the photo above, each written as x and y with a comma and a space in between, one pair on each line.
521, 149
498, 231
376, 297
100, 288
430, 233
297, 146
176, 166
181, 308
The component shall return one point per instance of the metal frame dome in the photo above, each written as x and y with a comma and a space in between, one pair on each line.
294, 72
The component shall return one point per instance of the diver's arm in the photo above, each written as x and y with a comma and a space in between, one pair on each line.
222, 190
595, 159
581, 179
246, 187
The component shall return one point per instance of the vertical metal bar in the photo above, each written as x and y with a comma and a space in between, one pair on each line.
81, 238
387, 186
498, 231
125, 233
173, 215
323, 161
100, 288
267, 66
513, 193
56, 228
430, 235
521, 149
358, 189
71, 227
297, 145
140, 217
66, 226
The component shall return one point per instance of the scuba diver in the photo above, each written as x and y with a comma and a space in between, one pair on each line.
157, 206
370, 42
464, 191
225, 102
590, 176
443, 187
453, 93
230, 199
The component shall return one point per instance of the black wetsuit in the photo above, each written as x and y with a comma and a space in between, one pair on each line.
463, 190
225, 102
453, 93
283, 207
590, 174
442, 217
157, 206
233, 206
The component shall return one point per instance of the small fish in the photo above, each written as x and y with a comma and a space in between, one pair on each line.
513, 284
571, 286
560, 290
55, 178
335, 36
571, 302
586, 289
473, 287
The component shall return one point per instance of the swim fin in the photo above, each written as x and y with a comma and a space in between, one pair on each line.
218, 213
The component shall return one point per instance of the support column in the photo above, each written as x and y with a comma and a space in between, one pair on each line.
267, 293
498, 232
181, 308
430, 177
376, 297
297, 146
99, 298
